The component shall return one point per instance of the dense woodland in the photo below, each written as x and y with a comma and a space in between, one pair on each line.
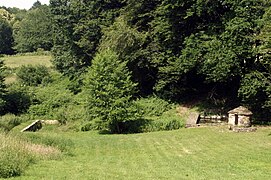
111, 56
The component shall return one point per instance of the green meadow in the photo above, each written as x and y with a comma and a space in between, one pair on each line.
195, 153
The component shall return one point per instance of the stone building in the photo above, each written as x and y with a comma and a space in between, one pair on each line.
240, 117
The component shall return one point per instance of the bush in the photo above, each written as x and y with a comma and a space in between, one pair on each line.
33, 75
51, 101
17, 99
169, 120
153, 106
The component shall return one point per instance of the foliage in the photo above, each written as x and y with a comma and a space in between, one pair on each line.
34, 31
127, 42
63, 105
109, 90
153, 106
164, 123
255, 92
17, 99
49, 107
6, 15
178, 50
6, 38
33, 75
77, 31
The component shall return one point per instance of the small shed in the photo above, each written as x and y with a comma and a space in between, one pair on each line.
240, 116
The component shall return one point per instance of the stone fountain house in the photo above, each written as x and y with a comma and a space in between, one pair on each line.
240, 116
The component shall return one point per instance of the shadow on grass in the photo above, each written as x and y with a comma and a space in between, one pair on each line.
129, 127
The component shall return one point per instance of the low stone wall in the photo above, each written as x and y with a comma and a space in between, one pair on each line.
50, 122
37, 125
244, 129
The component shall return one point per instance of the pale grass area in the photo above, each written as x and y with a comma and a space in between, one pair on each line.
11, 78
40, 151
17, 61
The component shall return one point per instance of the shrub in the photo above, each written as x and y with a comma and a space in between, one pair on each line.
167, 121
17, 99
33, 75
51, 101
153, 106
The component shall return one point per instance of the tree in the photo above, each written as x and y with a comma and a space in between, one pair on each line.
128, 43
36, 5
255, 88
77, 31
34, 31
6, 15
109, 91
6, 39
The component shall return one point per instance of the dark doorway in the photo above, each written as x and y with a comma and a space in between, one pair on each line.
236, 119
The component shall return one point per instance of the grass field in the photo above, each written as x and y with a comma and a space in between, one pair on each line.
196, 153
13, 62
17, 61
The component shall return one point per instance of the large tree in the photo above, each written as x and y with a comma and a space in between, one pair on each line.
6, 39
109, 91
77, 31
34, 31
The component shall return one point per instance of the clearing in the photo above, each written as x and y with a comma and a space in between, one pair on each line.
17, 61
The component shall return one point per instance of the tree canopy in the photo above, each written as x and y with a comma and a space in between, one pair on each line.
6, 38
184, 49
34, 31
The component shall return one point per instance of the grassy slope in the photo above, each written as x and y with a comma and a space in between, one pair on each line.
201, 153
17, 61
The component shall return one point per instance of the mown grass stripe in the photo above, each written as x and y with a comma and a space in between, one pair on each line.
206, 153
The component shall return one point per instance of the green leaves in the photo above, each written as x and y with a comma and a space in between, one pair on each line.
34, 31
109, 91
33, 76
255, 91
6, 39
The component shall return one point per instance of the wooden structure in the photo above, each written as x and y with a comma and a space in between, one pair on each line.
239, 116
